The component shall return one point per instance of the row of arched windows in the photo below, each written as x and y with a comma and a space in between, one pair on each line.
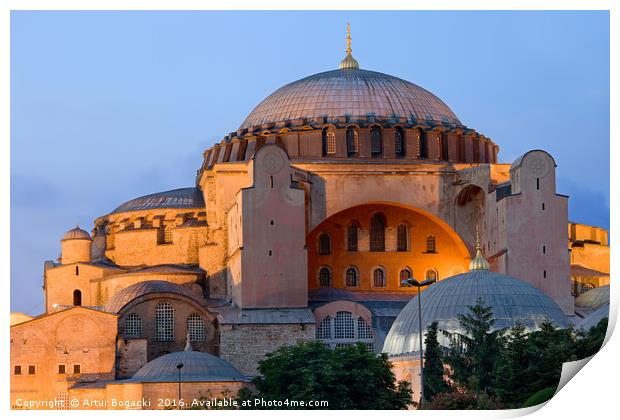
164, 324
378, 225
353, 145
344, 329
379, 278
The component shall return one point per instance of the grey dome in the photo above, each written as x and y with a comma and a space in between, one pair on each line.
76, 233
126, 295
182, 198
513, 301
593, 298
351, 92
197, 367
594, 318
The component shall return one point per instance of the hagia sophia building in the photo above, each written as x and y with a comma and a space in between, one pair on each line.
303, 224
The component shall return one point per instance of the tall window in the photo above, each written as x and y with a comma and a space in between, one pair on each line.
405, 274
444, 147
402, 240
423, 142
430, 244
352, 277
352, 231
378, 277
476, 150
77, 298
399, 142
432, 275
377, 232
376, 146
353, 143
325, 246
196, 328
133, 326
324, 330
329, 141
363, 329
164, 235
460, 146
164, 322
325, 277
344, 326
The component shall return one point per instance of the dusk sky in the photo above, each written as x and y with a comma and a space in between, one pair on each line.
108, 106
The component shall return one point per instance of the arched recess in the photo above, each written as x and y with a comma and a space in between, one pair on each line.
450, 254
469, 213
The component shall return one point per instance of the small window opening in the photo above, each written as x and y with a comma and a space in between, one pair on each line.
537, 183
271, 182
77, 270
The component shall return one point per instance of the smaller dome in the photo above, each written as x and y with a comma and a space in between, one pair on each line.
76, 233
126, 295
512, 300
594, 318
594, 298
197, 367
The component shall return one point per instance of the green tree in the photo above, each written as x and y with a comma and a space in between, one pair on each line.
510, 375
590, 342
473, 355
434, 382
347, 378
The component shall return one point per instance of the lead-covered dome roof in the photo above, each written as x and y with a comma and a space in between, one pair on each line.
182, 198
129, 293
197, 367
512, 300
76, 233
351, 93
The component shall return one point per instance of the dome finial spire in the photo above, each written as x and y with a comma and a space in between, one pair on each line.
349, 62
478, 263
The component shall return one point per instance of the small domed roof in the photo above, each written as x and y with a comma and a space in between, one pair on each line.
76, 233
593, 298
126, 295
512, 300
197, 367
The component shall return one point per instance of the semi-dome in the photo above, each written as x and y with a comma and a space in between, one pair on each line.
183, 198
351, 92
197, 367
512, 300
593, 298
126, 295
76, 233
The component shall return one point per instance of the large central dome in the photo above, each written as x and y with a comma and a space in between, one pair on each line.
351, 92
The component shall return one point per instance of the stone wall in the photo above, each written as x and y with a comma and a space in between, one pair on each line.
245, 345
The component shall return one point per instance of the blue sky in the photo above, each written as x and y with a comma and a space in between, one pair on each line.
107, 106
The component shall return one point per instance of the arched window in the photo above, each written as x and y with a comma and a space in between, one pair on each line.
402, 239
432, 275
399, 142
165, 233
324, 330
133, 326
77, 298
325, 277
430, 244
423, 142
196, 328
329, 141
353, 143
586, 286
405, 274
363, 329
377, 232
325, 246
378, 277
352, 231
344, 326
376, 143
352, 278
164, 322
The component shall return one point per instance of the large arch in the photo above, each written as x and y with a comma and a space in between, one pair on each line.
451, 255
